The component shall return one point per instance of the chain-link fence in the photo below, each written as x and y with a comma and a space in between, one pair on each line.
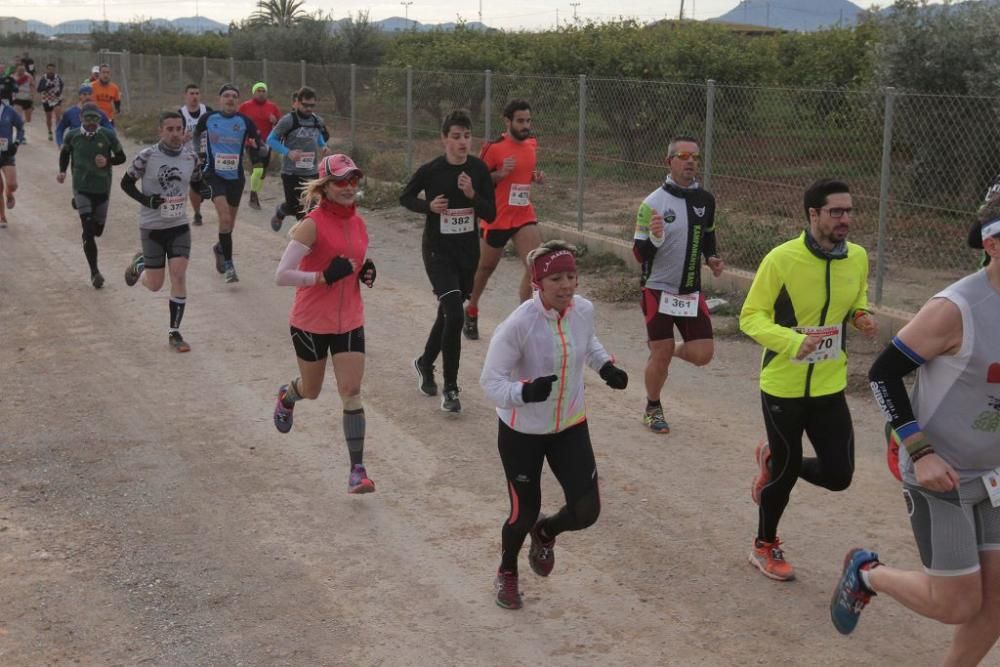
918, 165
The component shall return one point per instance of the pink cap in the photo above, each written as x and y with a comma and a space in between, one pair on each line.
338, 166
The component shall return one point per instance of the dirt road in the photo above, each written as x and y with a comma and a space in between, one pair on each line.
151, 514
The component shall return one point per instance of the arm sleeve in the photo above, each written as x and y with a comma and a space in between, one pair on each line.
642, 247
200, 127
708, 242
63, 159
409, 198
886, 380
288, 273
502, 355
757, 316
484, 202
129, 187
274, 140
117, 152
118, 106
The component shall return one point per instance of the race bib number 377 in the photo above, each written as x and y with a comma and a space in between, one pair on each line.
458, 221
172, 207
829, 344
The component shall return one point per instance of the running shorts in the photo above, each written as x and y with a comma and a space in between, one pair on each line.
497, 238
951, 528
8, 160
292, 185
450, 271
51, 106
232, 190
315, 347
159, 245
24, 104
660, 326
93, 207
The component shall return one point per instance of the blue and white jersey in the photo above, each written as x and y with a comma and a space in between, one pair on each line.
10, 120
226, 140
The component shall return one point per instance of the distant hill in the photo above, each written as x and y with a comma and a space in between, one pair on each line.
801, 15
188, 24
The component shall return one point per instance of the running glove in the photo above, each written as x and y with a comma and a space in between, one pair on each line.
368, 273
340, 267
204, 190
538, 389
613, 376
153, 201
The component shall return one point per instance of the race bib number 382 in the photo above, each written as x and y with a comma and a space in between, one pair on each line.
829, 344
458, 221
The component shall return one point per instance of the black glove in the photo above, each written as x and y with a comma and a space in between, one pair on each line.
204, 191
368, 273
153, 201
340, 267
538, 389
613, 376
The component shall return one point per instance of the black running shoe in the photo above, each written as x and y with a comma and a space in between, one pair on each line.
177, 342
220, 259
134, 270
450, 402
471, 326
97, 280
197, 222
277, 219
425, 379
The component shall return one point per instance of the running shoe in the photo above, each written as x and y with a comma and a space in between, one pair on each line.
770, 559
51, 138
11, 201
254, 201
134, 269
425, 378
283, 413
471, 326
358, 482
763, 477
892, 451
850, 595
220, 259
178, 343
653, 418
276, 219
197, 222
541, 554
97, 280
508, 595
231, 276
450, 402
3, 223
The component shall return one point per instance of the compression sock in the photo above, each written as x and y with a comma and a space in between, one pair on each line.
652, 405
90, 252
354, 433
291, 394
226, 244
472, 311
257, 179
177, 304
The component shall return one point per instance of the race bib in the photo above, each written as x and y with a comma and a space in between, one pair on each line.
520, 194
992, 482
458, 221
227, 161
306, 161
3, 143
679, 305
172, 207
828, 348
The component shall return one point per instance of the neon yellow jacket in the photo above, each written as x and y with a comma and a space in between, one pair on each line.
797, 287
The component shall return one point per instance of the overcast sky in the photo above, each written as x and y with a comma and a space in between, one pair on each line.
513, 14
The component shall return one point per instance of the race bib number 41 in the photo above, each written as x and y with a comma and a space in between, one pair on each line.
520, 194
458, 221
829, 345
679, 305
172, 207
227, 161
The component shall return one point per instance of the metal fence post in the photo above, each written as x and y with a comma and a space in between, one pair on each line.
204, 71
354, 95
232, 70
409, 119
581, 152
263, 67
125, 75
883, 196
302, 71
488, 106
180, 69
159, 72
709, 132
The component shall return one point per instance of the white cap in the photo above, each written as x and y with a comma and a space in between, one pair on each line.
991, 229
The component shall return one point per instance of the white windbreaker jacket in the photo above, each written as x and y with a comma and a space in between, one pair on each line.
534, 342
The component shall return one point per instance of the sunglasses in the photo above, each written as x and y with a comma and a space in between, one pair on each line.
839, 211
307, 105
352, 181
686, 156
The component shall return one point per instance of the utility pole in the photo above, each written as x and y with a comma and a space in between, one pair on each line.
767, 21
745, 7
557, 18
406, 9
574, 5
480, 13
680, 17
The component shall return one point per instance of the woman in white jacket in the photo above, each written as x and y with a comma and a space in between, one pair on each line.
534, 373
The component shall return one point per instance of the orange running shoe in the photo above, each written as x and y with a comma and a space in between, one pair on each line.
763, 476
770, 559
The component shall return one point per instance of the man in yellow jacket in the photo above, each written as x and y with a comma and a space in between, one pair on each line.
806, 291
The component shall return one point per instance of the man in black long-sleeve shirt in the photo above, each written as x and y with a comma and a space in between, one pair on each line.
458, 192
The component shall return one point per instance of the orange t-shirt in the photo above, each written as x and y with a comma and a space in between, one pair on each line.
513, 193
105, 96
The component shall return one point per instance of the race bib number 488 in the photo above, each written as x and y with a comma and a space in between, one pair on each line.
458, 221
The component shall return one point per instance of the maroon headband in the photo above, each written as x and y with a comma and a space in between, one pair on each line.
552, 262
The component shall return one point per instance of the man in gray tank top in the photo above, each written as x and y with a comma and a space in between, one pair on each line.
165, 171
949, 460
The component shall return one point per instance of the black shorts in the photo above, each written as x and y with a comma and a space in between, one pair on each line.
232, 190
93, 210
497, 238
159, 245
315, 347
8, 160
24, 104
51, 106
451, 270
292, 184
660, 326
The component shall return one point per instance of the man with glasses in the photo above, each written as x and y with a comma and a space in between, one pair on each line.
674, 228
805, 293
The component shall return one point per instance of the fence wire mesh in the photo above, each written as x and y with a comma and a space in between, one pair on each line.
603, 142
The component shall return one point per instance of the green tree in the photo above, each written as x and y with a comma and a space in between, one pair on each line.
283, 13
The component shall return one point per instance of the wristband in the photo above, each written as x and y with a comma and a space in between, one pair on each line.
858, 314
921, 453
917, 445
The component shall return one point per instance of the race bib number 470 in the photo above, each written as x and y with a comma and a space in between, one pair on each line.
458, 221
829, 345
227, 161
520, 194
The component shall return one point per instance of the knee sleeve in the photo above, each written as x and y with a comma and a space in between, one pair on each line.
352, 403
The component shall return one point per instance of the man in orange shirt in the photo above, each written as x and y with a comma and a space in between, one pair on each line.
107, 96
511, 160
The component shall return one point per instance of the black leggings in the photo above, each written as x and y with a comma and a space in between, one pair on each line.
827, 422
571, 459
292, 185
446, 338
93, 210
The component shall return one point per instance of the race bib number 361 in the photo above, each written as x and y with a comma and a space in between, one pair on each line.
227, 161
458, 221
829, 345
679, 305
